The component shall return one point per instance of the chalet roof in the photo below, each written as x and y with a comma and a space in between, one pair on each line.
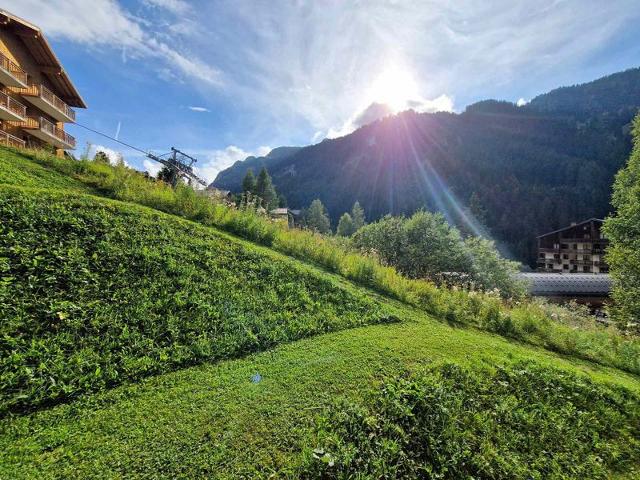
35, 41
567, 284
571, 226
280, 211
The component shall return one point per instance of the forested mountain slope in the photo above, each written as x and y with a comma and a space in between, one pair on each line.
512, 172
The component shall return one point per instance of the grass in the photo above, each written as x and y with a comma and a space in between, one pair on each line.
121, 328
95, 293
517, 421
212, 420
517, 319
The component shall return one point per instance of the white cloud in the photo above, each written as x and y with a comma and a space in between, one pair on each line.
177, 7
522, 102
114, 155
105, 23
152, 167
376, 111
217, 160
199, 109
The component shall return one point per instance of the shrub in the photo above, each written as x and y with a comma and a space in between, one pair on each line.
446, 422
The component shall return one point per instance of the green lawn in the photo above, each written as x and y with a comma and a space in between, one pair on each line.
213, 419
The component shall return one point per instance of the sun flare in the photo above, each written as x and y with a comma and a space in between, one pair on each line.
394, 87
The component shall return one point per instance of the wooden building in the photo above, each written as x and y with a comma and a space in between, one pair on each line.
36, 94
578, 248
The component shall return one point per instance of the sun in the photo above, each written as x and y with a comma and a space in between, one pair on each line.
394, 87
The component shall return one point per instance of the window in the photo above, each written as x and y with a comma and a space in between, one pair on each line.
564, 245
541, 255
565, 267
565, 256
575, 246
586, 268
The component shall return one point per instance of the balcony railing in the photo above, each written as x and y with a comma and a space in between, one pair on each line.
48, 96
12, 105
40, 123
10, 141
13, 69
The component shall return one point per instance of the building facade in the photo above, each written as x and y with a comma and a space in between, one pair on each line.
36, 94
578, 248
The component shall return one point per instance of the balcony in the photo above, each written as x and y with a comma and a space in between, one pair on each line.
48, 102
10, 141
48, 132
11, 109
11, 74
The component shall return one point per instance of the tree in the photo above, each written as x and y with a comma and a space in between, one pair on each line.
357, 215
266, 191
167, 175
101, 157
317, 218
282, 201
426, 246
249, 182
345, 226
623, 231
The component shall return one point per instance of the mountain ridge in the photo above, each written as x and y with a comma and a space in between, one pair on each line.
552, 166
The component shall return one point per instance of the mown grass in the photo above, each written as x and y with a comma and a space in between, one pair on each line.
513, 318
213, 421
95, 293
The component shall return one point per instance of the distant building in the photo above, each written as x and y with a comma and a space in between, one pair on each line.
291, 217
216, 193
36, 94
578, 248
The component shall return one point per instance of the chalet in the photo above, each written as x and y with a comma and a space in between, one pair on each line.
578, 248
36, 93
286, 215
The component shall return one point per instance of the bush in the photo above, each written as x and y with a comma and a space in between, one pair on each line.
446, 422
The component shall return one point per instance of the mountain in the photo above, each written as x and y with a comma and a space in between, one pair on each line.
231, 178
507, 171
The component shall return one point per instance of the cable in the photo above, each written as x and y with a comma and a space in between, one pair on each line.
111, 138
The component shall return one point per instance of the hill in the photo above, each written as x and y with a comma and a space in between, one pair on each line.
139, 343
551, 162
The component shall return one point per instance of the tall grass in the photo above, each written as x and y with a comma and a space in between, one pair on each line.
524, 320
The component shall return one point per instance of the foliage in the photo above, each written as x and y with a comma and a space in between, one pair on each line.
266, 191
249, 182
623, 230
358, 216
101, 157
425, 246
446, 422
524, 320
317, 219
94, 294
346, 226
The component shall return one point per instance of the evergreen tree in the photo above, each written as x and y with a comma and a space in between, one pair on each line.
249, 182
623, 231
317, 218
357, 216
166, 175
101, 157
282, 201
266, 191
345, 226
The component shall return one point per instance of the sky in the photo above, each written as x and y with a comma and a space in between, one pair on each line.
222, 80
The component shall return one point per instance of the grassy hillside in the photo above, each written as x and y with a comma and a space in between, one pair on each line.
95, 293
120, 326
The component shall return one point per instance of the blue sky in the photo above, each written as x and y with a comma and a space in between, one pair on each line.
224, 79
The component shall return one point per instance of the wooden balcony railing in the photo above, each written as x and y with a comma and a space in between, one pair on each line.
13, 105
48, 96
10, 141
12, 68
40, 123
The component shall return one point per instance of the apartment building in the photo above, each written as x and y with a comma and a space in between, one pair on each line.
36, 94
578, 248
